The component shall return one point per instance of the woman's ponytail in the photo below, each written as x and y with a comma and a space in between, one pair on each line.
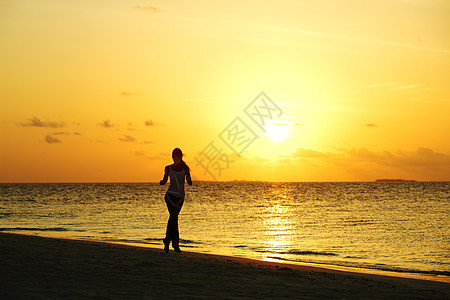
185, 165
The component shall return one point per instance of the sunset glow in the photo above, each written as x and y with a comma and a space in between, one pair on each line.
277, 132
102, 91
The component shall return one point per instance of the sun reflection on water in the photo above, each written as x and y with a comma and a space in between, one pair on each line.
278, 231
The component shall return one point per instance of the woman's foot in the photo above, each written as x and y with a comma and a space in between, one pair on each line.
166, 246
177, 249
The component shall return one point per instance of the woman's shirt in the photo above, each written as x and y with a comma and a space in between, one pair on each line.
176, 186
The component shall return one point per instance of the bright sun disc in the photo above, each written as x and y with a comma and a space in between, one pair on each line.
277, 132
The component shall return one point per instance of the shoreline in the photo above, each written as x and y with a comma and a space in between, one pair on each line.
268, 260
35, 266
321, 267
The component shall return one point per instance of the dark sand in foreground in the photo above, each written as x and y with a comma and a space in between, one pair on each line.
42, 268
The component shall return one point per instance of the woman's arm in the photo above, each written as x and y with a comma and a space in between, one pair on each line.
188, 177
166, 176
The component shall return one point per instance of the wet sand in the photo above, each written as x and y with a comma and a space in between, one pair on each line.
45, 268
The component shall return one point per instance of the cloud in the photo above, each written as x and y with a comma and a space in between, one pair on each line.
65, 133
365, 155
420, 164
371, 125
399, 86
131, 127
387, 84
145, 155
161, 155
51, 140
147, 8
407, 87
417, 159
36, 122
351, 38
309, 153
149, 123
107, 124
139, 153
421, 157
130, 93
415, 92
127, 138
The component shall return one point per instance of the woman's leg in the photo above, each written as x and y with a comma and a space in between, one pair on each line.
174, 205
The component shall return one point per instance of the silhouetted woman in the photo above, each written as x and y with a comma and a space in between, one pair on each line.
174, 197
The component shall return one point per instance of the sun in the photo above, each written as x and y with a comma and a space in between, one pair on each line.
277, 131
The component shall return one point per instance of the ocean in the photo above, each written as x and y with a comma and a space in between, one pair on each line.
401, 228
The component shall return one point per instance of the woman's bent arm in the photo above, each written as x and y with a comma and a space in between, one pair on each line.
166, 176
188, 178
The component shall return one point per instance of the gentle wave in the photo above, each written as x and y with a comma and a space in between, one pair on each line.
296, 252
182, 241
310, 253
33, 229
5, 215
358, 222
372, 267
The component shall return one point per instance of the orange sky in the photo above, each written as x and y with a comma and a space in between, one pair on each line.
104, 90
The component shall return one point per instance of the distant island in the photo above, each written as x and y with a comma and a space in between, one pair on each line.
395, 180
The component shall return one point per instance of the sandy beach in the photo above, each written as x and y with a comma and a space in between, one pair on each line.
37, 267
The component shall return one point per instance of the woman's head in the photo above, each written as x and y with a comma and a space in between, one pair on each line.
177, 155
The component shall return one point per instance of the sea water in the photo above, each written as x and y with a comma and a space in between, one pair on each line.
401, 227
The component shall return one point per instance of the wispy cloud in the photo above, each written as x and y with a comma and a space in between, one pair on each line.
127, 138
415, 92
144, 154
417, 159
407, 87
151, 123
161, 155
139, 153
383, 84
420, 157
354, 38
131, 127
371, 125
147, 8
130, 93
309, 153
395, 85
51, 140
65, 133
107, 124
420, 163
36, 122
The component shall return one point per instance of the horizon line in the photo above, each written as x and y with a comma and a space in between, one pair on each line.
266, 181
